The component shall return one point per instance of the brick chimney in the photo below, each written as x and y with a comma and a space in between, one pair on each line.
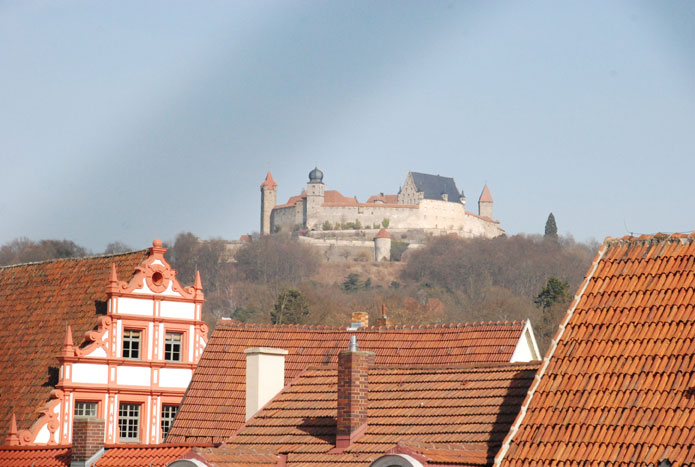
384, 321
87, 441
265, 377
361, 318
353, 391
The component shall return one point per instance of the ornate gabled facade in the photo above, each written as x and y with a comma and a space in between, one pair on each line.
425, 202
134, 367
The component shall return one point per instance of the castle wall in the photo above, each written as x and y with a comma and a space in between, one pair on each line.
477, 227
287, 218
398, 216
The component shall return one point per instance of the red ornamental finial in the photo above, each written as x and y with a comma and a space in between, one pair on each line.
12, 438
113, 277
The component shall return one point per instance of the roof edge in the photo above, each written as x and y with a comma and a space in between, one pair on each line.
74, 258
230, 322
549, 354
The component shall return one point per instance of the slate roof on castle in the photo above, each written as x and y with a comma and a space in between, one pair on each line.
37, 302
450, 416
214, 405
434, 186
617, 386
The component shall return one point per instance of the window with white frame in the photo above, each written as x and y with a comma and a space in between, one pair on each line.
131, 343
173, 346
168, 415
85, 409
129, 422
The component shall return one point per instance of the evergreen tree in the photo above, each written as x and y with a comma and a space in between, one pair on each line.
555, 291
352, 282
551, 227
290, 308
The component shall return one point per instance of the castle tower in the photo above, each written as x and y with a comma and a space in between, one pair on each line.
382, 246
314, 196
485, 203
269, 191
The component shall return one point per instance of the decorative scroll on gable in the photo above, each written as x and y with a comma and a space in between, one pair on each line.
166, 336
155, 276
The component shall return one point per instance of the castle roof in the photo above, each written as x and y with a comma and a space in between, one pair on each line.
37, 302
485, 196
214, 405
383, 234
269, 182
434, 186
386, 199
616, 387
447, 415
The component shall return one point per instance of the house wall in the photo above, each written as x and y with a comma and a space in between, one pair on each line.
153, 303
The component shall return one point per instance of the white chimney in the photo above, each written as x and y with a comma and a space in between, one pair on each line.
265, 376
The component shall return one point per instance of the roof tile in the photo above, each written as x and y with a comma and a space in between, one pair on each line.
38, 301
213, 408
626, 357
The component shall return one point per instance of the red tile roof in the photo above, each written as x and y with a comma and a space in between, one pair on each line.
383, 233
214, 405
485, 196
617, 385
292, 201
58, 456
387, 199
38, 301
269, 182
114, 456
141, 455
452, 415
335, 198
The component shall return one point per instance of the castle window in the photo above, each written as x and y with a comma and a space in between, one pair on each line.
85, 409
131, 344
172, 346
129, 422
168, 415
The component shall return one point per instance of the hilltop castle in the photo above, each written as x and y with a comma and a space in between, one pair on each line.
425, 202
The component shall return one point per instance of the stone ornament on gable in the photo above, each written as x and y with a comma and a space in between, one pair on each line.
159, 276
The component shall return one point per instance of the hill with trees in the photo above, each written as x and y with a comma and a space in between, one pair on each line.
279, 279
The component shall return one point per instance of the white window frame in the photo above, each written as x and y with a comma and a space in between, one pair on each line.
128, 419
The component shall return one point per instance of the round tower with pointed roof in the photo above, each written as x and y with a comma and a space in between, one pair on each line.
269, 190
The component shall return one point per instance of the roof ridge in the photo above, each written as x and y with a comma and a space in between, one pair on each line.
479, 366
73, 258
230, 322
644, 238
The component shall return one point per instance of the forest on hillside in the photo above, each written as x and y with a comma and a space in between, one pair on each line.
278, 279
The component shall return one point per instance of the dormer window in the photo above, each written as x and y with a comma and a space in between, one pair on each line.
131, 344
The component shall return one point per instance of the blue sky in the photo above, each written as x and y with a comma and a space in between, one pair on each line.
134, 120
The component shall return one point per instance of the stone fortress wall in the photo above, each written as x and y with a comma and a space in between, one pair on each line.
428, 204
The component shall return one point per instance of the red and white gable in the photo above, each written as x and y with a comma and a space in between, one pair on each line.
134, 368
